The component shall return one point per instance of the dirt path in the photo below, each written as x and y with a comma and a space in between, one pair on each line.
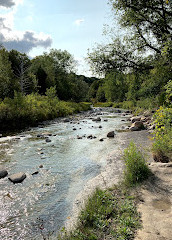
156, 204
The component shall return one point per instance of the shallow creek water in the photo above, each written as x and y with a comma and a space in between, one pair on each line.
41, 204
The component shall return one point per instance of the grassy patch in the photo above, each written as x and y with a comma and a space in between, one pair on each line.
109, 213
136, 169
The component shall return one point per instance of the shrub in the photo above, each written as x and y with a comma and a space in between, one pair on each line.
24, 111
136, 169
162, 146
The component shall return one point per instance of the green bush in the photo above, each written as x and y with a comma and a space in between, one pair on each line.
24, 111
162, 145
124, 105
136, 169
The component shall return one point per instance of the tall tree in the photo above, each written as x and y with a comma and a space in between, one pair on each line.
6, 80
20, 64
148, 28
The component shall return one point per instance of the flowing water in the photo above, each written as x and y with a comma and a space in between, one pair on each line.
39, 206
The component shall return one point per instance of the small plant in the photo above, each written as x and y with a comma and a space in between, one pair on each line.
136, 169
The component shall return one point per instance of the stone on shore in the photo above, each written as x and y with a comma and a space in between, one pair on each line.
3, 172
17, 177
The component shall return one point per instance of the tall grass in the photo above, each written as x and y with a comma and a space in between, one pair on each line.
136, 169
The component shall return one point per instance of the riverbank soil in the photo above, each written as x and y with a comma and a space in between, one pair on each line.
155, 205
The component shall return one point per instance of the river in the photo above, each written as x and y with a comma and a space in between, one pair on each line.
39, 206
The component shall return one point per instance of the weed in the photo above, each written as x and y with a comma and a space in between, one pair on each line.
136, 169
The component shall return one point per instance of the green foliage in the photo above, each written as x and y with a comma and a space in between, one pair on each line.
100, 96
24, 111
6, 76
51, 92
108, 213
136, 169
115, 86
125, 105
130, 73
168, 88
163, 132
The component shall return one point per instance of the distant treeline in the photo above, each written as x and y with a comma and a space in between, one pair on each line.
19, 73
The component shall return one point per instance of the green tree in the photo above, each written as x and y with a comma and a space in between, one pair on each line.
115, 86
146, 28
6, 76
20, 64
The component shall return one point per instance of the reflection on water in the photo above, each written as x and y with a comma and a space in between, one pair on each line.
39, 206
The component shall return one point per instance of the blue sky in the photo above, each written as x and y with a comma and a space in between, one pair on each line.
35, 26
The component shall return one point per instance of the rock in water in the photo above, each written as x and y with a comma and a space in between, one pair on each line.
96, 119
3, 172
137, 126
17, 178
35, 173
48, 140
111, 134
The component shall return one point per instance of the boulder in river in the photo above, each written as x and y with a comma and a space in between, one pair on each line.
111, 134
98, 119
78, 137
35, 173
47, 140
137, 126
17, 177
3, 172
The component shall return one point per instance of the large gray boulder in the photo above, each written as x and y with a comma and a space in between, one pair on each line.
17, 177
137, 126
3, 172
111, 134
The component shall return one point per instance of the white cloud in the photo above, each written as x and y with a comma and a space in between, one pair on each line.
9, 3
23, 41
78, 22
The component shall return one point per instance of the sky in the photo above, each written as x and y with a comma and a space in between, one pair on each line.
36, 26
